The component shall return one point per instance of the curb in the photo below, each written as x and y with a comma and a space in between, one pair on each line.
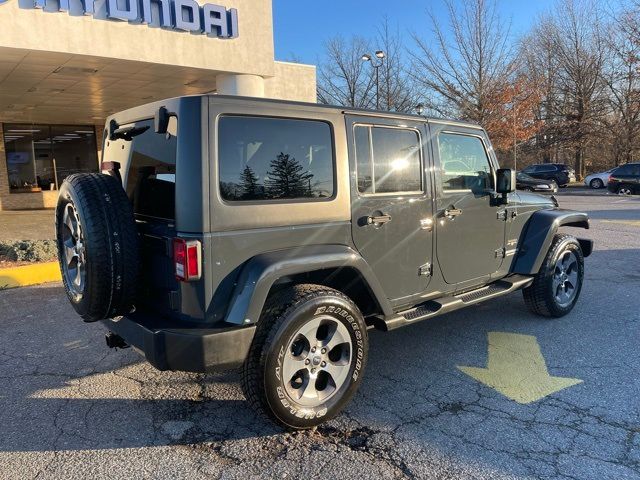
29, 275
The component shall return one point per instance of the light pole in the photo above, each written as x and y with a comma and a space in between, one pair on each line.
380, 55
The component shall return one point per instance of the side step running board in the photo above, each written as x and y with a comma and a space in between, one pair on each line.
434, 308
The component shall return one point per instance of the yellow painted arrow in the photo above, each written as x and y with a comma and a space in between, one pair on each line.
516, 369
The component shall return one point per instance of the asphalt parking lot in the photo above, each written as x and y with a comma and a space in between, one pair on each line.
71, 408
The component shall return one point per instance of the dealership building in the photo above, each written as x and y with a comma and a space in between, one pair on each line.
65, 65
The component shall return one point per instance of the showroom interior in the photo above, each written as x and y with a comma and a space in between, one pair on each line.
66, 65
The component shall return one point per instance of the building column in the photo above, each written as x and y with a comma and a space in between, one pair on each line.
99, 138
4, 175
242, 85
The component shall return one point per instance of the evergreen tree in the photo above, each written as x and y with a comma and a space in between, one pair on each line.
287, 179
249, 184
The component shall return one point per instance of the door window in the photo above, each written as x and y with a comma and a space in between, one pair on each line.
628, 169
464, 163
388, 160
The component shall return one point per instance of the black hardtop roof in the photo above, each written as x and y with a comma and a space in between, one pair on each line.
349, 110
135, 113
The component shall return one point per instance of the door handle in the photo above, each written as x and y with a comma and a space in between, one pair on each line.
452, 212
378, 220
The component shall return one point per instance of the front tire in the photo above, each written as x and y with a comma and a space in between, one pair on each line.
596, 183
307, 358
557, 287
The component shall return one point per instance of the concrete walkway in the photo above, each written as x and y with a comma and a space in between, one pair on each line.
27, 225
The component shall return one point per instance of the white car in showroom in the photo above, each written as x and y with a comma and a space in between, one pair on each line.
598, 180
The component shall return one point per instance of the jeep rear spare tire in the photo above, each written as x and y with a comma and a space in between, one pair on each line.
308, 356
97, 246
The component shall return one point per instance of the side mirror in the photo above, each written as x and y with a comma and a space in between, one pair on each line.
505, 182
161, 120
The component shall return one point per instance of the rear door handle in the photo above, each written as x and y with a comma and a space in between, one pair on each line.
378, 219
452, 212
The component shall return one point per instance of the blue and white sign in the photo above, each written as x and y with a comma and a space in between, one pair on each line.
211, 20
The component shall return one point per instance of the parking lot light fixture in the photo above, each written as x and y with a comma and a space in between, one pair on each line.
380, 55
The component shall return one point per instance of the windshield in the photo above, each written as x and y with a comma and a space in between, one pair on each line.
524, 177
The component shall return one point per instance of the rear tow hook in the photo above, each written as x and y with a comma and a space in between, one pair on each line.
115, 341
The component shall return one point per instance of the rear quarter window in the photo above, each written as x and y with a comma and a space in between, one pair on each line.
268, 159
148, 163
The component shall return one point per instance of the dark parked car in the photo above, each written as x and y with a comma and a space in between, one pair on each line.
233, 232
558, 172
625, 180
528, 183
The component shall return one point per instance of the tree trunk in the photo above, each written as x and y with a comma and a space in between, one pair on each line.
578, 166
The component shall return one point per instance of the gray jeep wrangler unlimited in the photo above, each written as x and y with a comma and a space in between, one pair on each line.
236, 232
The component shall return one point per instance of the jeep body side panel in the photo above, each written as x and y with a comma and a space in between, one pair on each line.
400, 251
241, 232
469, 243
262, 271
538, 235
227, 216
229, 252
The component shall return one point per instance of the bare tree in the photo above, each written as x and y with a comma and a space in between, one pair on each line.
343, 78
540, 65
464, 72
581, 52
622, 78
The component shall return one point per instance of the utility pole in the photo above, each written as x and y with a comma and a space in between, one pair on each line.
380, 55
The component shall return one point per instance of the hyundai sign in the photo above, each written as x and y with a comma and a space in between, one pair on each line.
181, 15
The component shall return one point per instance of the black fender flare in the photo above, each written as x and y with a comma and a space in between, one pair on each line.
262, 271
537, 236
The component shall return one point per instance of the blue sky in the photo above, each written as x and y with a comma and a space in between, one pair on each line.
302, 26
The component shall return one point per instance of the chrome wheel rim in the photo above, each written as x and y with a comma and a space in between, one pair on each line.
624, 191
565, 278
317, 361
597, 183
73, 251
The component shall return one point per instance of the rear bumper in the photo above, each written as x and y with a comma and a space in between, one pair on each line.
186, 349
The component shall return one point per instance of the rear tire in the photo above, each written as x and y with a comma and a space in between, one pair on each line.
556, 288
97, 246
307, 358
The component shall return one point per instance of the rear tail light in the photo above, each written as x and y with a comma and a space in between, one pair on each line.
187, 259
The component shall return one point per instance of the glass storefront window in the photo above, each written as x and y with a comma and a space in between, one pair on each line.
40, 157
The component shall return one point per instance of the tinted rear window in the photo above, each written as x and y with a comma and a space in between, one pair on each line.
148, 163
266, 159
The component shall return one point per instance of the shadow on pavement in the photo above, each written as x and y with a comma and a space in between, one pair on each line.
412, 393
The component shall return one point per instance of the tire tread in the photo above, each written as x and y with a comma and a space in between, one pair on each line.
112, 265
273, 315
536, 297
